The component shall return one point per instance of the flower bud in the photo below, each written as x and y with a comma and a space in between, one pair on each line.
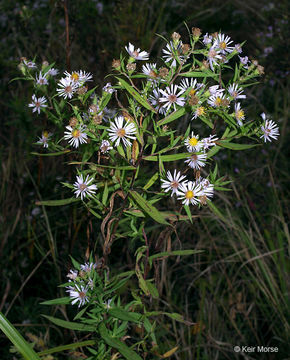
163, 72
73, 121
185, 49
196, 32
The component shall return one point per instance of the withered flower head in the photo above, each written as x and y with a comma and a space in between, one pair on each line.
196, 32
260, 69
82, 90
185, 48
175, 36
163, 72
73, 121
131, 66
193, 100
116, 63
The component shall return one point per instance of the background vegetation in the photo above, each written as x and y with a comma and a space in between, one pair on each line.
236, 290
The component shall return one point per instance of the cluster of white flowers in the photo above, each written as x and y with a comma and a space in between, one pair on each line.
69, 84
81, 283
189, 192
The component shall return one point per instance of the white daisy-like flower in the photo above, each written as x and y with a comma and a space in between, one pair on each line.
67, 87
108, 88
78, 294
43, 140
82, 187
207, 39
222, 43
236, 92
189, 193
199, 111
105, 146
215, 89
136, 54
52, 72
219, 99
209, 141
154, 99
238, 48
41, 79
196, 161
239, 114
76, 136
72, 275
29, 64
173, 51
185, 84
269, 129
107, 304
88, 267
37, 103
170, 97
173, 182
79, 77
244, 61
119, 131
150, 70
206, 187
193, 144
213, 56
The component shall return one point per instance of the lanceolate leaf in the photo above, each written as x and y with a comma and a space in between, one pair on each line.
148, 208
234, 146
51, 154
67, 347
136, 95
173, 253
172, 157
122, 314
173, 116
15, 337
70, 325
123, 349
57, 202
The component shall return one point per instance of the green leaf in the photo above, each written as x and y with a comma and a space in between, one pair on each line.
216, 211
67, 347
123, 349
105, 194
70, 325
234, 146
16, 338
172, 157
136, 95
173, 253
148, 208
173, 116
57, 202
51, 154
151, 181
203, 74
122, 314
152, 288
188, 212
59, 301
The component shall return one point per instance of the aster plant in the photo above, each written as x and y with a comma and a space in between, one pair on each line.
144, 154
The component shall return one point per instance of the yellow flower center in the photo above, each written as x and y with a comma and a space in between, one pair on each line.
75, 76
189, 194
193, 141
121, 132
240, 114
218, 101
75, 133
223, 45
45, 134
192, 92
200, 111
